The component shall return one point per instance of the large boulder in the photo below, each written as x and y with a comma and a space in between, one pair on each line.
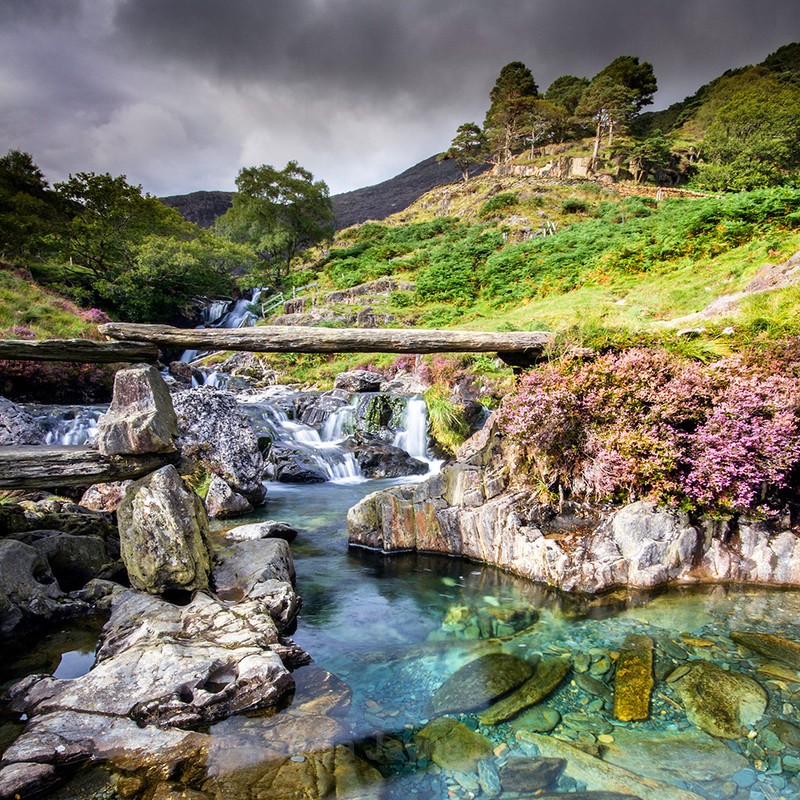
141, 418
18, 427
358, 380
163, 531
377, 458
222, 501
215, 432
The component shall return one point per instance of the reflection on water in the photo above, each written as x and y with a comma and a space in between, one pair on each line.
387, 632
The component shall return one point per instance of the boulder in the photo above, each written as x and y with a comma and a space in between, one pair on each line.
531, 775
633, 683
377, 458
721, 702
452, 745
358, 380
479, 682
141, 418
18, 427
56, 514
546, 678
269, 529
104, 496
73, 560
163, 532
214, 432
287, 465
222, 501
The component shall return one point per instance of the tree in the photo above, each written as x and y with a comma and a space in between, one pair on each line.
546, 122
469, 147
506, 124
650, 156
608, 105
638, 78
753, 140
567, 91
279, 213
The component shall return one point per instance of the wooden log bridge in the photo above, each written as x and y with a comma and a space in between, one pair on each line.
82, 350
298, 339
45, 467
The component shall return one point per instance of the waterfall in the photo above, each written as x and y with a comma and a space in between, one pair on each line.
67, 425
413, 438
340, 424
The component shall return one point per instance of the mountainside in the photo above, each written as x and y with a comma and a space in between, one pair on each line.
371, 202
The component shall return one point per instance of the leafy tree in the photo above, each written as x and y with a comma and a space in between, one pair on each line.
608, 105
468, 147
650, 156
28, 209
506, 119
109, 218
546, 122
567, 91
753, 140
638, 78
279, 213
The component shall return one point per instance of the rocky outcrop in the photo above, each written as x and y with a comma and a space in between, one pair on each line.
358, 380
17, 426
377, 458
141, 418
476, 508
163, 669
163, 532
222, 501
214, 432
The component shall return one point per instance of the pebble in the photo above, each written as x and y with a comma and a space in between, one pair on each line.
298, 759
744, 778
605, 738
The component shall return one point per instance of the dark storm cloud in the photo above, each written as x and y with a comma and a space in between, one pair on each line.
179, 94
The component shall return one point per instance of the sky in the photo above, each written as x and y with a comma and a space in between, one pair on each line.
179, 95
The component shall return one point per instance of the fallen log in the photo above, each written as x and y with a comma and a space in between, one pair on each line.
297, 339
82, 350
35, 467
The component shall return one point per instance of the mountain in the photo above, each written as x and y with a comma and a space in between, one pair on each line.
350, 208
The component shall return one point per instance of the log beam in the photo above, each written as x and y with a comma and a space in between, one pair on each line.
35, 467
82, 350
298, 339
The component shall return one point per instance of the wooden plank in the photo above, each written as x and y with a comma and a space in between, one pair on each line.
34, 467
82, 350
298, 339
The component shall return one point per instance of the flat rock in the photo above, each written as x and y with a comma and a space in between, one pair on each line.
546, 678
633, 682
672, 756
531, 774
452, 745
540, 719
719, 702
25, 779
269, 529
601, 776
141, 418
480, 682
771, 646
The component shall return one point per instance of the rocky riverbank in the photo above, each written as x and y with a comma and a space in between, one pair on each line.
478, 508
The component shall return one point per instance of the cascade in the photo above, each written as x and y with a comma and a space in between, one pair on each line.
413, 437
67, 425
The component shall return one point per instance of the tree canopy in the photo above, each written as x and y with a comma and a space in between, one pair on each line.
506, 120
469, 147
279, 213
567, 91
638, 78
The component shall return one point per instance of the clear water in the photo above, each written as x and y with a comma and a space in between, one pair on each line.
394, 628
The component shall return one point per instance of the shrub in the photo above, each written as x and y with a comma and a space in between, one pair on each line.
646, 423
496, 205
574, 205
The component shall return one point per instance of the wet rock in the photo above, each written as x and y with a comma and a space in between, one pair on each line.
774, 647
672, 756
489, 778
29, 593
223, 502
269, 529
787, 732
17, 426
540, 719
214, 432
287, 465
452, 745
318, 692
602, 777
592, 723
74, 560
141, 418
104, 496
377, 458
531, 774
480, 682
358, 380
720, 703
163, 532
546, 678
58, 515
25, 779
588, 796
633, 683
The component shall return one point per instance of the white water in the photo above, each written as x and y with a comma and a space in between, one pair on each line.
67, 425
414, 436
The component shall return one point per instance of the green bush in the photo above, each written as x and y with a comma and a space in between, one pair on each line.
495, 206
574, 205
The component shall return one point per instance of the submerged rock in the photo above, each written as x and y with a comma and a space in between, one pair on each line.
633, 683
141, 418
546, 678
452, 745
163, 532
531, 775
775, 647
720, 702
479, 682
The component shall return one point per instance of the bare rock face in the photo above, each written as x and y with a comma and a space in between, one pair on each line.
18, 427
222, 501
163, 531
141, 418
215, 432
105, 496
